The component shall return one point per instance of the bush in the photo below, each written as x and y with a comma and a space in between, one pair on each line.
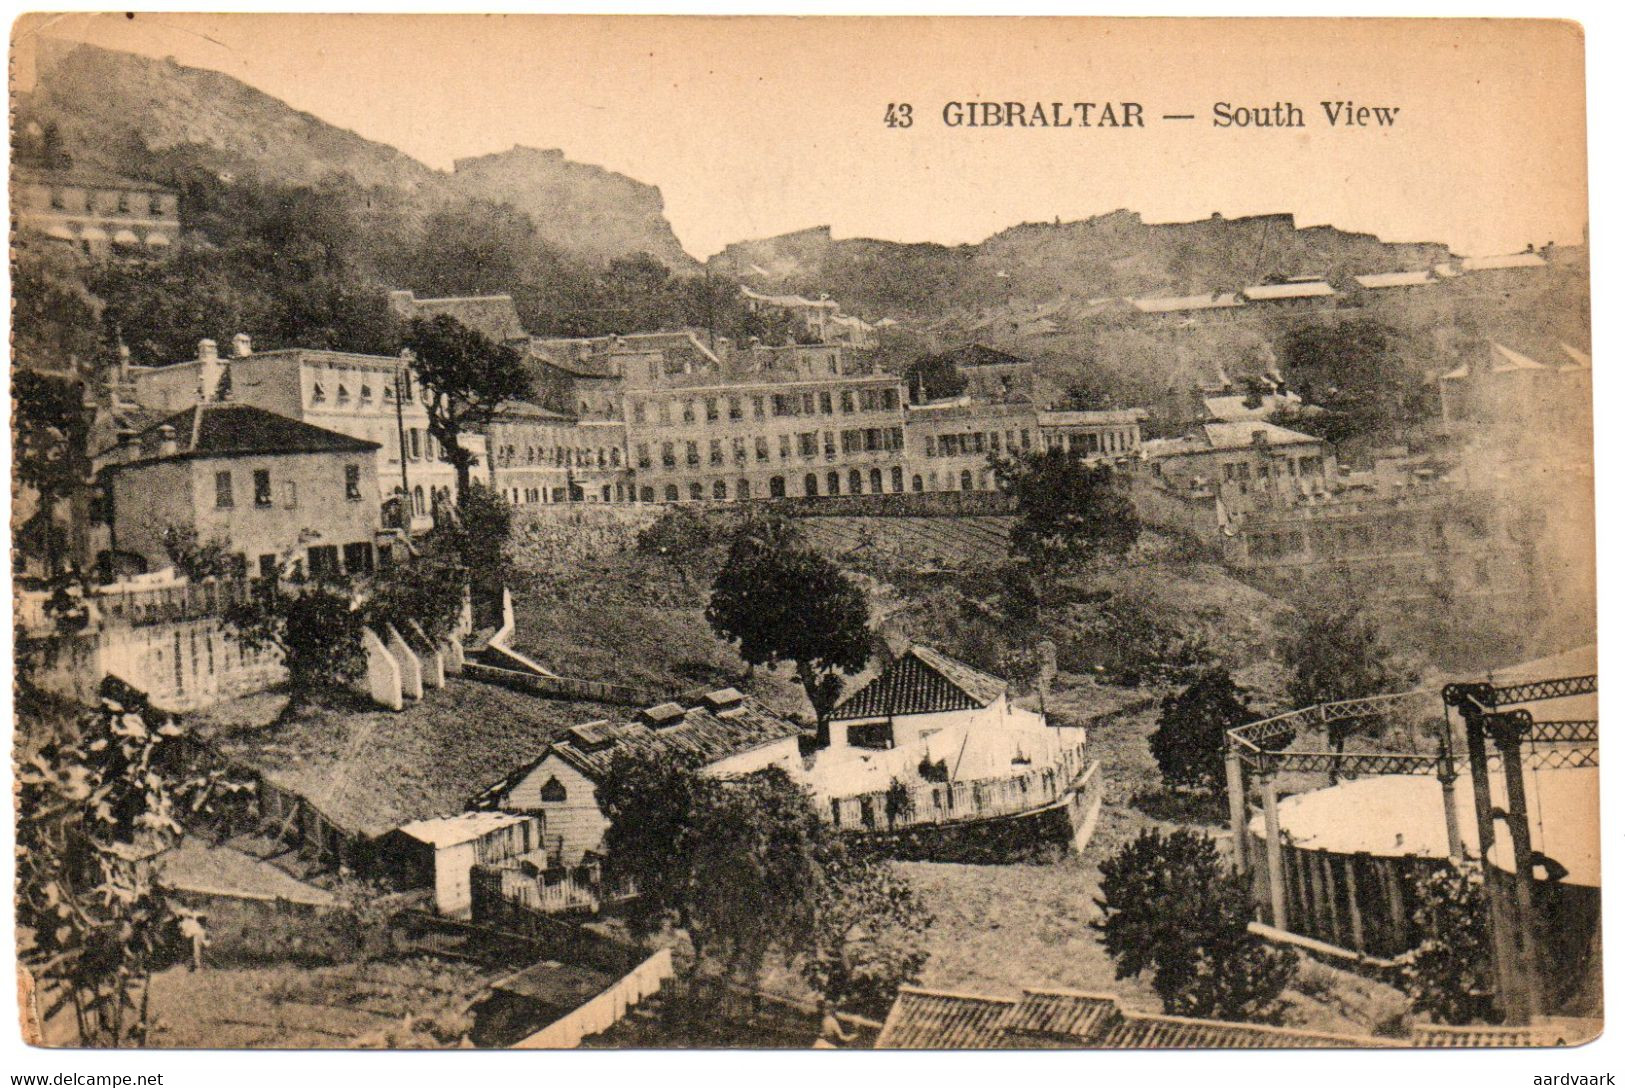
1451, 975
1172, 907
1189, 742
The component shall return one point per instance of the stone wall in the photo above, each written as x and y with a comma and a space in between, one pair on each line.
1039, 835
902, 505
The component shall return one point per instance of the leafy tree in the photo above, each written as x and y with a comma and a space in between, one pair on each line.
869, 937
50, 429
1335, 650
1172, 907
680, 537
468, 377
1189, 742
314, 625
1068, 511
746, 868
198, 560
427, 586
1451, 975
104, 789
478, 530
783, 602
1356, 371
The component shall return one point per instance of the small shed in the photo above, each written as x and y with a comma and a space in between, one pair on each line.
440, 853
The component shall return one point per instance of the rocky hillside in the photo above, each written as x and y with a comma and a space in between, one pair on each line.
584, 209
108, 104
1106, 256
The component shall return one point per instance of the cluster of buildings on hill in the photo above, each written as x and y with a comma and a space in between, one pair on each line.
1317, 292
93, 211
643, 418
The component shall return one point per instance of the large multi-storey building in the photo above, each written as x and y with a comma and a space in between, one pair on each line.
765, 422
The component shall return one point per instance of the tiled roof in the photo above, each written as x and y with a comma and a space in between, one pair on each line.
724, 723
236, 430
925, 1020
1557, 1032
922, 681
86, 177
921, 1020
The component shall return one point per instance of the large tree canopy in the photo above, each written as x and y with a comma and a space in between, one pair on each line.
1069, 511
467, 377
781, 601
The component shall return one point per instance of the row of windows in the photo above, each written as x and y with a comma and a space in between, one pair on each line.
126, 202
361, 392
225, 496
975, 442
562, 456
741, 449
809, 403
1242, 472
1088, 442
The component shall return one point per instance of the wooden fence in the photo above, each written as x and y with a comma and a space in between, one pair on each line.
607, 1009
1360, 902
952, 802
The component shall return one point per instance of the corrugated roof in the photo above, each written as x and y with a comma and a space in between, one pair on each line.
1511, 260
1379, 280
1217, 301
1265, 292
235, 430
922, 681
926, 1020
711, 734
443, 831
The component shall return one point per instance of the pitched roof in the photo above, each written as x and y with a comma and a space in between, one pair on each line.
724, 723
982, 355
86, 177
1507, 360
926, 1020
922, 681
237, 430
1579, 358
1239, 434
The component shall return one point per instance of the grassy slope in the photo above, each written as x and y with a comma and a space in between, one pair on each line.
373, 769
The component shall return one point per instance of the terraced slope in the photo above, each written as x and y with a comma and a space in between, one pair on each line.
913, 542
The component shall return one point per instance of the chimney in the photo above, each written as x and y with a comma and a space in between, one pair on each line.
242, 346
128, 448
208, 372
167, 446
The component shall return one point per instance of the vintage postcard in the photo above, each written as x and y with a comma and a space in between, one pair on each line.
901, 533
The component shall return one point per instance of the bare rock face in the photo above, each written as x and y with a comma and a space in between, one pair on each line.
584, 209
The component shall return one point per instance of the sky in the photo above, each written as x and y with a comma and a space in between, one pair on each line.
754, 127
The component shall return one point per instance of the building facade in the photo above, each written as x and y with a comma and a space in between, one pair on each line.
95, 212
265, 487
374, 398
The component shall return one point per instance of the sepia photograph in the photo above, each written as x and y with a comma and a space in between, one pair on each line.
541, 532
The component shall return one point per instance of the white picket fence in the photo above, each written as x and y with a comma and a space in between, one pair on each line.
606, 1010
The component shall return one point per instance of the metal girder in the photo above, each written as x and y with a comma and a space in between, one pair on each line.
1554, 759
1563, 732
1352, 763
1488, 696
